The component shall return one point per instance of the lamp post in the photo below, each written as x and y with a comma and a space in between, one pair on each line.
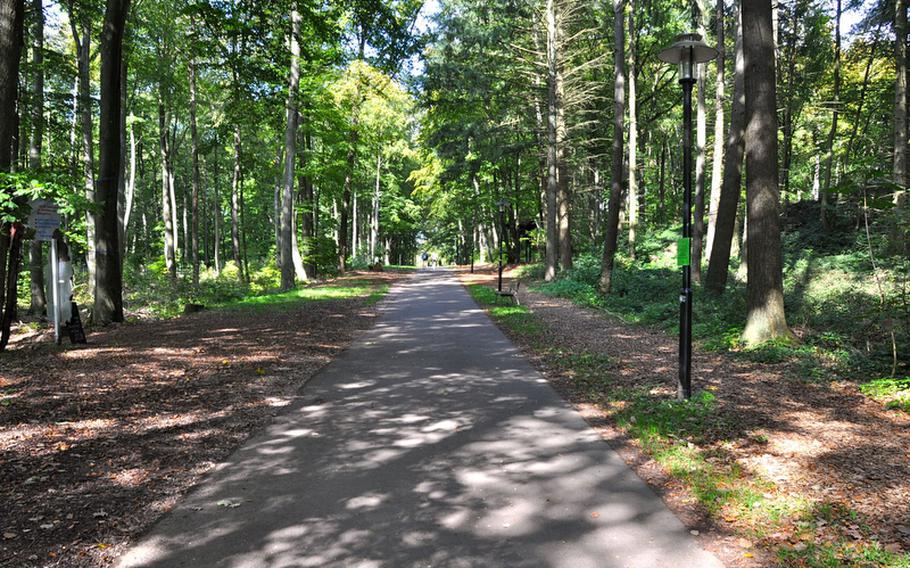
503, 203
687, 51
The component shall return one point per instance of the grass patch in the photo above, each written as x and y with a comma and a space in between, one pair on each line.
894, 393
341, 290
504, 311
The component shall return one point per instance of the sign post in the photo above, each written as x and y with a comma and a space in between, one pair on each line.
45, 219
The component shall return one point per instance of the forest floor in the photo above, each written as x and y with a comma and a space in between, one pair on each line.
766, 466
98, 441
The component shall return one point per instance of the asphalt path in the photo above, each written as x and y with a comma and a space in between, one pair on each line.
430, 442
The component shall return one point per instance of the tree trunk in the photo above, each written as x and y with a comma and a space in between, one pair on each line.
38, 304
346, 202
765, 319
170, 256
563, 198
728, 201
109, 270
718, 158
11, 22
310, 210
701, 139
633, 132
377, 195
829, 147
900, 100
552, 246
235, 206
789, 100
290, 160
83, 54
131, 181
616, 189
194, 133
217, 214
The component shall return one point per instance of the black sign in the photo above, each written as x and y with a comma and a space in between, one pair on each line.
74, 327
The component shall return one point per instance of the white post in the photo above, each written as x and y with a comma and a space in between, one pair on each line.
55, 275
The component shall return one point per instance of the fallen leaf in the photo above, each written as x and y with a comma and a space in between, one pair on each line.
595, 515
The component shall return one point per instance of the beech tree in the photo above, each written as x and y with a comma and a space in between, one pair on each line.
765, 318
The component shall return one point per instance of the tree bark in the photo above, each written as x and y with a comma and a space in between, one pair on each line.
11, 24
728, 201
11, 37
900, 99
170, 256
38, 305
552, 244
829, 146
343, 237
310, 210
616, 188
701, 138
109, 270
562, 172
718, 158
765, 319
83, 54
235, 206
633, 132
217, 214
374, 218
194, 133
290, 160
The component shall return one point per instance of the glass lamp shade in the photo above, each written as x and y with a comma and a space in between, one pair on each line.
687, 51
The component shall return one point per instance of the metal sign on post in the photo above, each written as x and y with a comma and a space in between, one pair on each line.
45, 219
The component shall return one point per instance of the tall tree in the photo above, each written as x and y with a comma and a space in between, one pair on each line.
701, 137
11, 36
83, 40
765, 319
109, 271
290, 158
835, 112
633, 130
616, 182
728, 201
900, 98
552, 163
717, 161
36, 266
194, 135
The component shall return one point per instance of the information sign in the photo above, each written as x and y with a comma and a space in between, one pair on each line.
45, 219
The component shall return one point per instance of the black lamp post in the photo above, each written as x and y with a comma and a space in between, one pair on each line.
687, 51
503, 203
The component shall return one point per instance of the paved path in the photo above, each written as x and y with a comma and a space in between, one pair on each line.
431, 442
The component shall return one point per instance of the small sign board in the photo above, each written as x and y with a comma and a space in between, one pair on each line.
45, 219
683, 252
74, 327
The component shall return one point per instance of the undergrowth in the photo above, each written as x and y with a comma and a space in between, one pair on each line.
831, 299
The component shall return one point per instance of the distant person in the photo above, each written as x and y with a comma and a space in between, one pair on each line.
425, 257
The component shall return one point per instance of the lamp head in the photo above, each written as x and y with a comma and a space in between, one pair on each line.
687, 51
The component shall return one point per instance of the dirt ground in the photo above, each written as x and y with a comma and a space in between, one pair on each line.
821, 441
98, 441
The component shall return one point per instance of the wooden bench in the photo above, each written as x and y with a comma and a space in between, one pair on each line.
511, 291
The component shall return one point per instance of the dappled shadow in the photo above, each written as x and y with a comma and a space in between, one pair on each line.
821, 439
430, 442
95, 442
